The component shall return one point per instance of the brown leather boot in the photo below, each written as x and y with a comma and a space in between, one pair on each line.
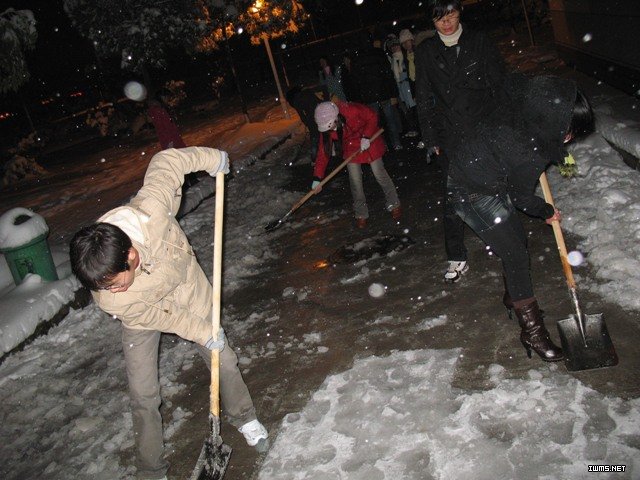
534, 335
396, 213
361, 222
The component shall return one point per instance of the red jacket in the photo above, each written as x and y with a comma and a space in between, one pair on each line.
168, 134
360, 121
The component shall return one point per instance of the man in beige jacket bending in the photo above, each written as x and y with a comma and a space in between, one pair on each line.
140, 268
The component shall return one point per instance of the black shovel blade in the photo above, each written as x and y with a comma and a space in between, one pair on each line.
595, 350
213, 460
273, 225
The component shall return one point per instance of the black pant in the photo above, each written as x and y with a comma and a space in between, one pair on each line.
452, 223
496, 222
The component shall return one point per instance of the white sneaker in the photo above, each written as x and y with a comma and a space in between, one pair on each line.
253, 432
455, 271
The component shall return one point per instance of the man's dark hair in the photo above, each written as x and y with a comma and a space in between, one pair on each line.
440, 8
582, 122
98, 253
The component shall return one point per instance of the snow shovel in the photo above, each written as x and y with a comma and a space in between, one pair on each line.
277, 223
585, 339
214, 456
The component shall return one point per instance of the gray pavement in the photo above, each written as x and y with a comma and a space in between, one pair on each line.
345, 315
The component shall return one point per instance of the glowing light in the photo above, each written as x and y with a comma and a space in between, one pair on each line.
135, 91
240, 30
587, 37
359, 2
376, 290
321, 264
575, 258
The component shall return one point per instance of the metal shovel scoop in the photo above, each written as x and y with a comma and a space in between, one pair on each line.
585, 339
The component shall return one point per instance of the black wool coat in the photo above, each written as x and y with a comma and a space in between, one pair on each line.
455, 89
511, 147
305, 103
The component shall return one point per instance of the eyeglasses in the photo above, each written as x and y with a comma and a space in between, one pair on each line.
448, 18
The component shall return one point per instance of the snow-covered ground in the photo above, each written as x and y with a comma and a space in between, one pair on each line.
64, 402
398, 417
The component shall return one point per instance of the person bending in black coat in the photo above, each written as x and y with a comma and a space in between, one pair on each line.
495, 171
458, 72
305, 103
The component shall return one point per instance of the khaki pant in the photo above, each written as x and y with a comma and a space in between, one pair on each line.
357, 188
141, 361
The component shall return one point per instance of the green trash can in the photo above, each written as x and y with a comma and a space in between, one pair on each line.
23, 241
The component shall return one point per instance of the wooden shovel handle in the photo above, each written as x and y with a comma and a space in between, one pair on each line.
335, 171
557, 231
217, 288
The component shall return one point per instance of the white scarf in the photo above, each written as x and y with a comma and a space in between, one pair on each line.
451, 40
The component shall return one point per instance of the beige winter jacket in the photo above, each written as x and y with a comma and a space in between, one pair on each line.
170, 292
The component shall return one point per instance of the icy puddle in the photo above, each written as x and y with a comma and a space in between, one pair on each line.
370, 248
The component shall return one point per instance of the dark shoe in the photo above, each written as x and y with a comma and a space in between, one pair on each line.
396, 213
361, 222
534, 335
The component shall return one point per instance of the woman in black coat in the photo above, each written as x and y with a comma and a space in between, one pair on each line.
458, 72
495, 170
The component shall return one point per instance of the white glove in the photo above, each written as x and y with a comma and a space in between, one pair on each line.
224, 164
217, 344
314, 184
365, 143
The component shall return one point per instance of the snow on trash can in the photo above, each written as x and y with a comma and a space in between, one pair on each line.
23, 241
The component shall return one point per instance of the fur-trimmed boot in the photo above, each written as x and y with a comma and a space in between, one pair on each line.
534, 335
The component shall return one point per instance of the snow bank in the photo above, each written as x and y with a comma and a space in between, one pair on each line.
398, 417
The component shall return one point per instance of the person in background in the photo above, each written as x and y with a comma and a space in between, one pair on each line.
496, 170
401, 75
330, 78
376, 86
305, 102
347, 128
458, 73
166, 128
407, 42
346, 77
140, 268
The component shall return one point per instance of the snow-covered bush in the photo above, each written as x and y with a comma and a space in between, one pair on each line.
116, 119
174, 93
99, 118
20, 168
